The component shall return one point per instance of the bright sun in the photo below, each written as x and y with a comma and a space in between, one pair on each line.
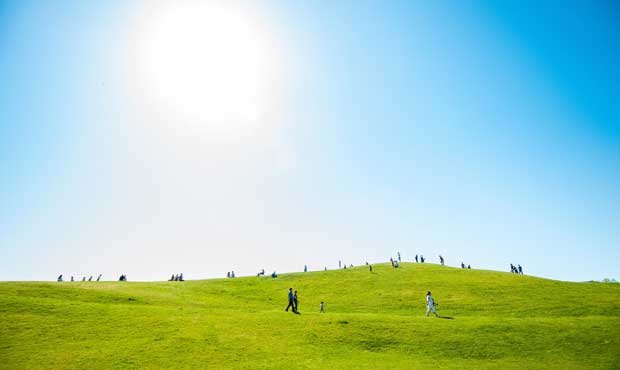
202, 62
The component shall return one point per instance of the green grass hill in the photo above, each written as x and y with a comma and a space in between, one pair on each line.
373, 320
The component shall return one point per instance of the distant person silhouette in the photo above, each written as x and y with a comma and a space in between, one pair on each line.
181, 277
228, 274
430, 304
370, 268
416, 258
171, 278
90, 278
339, 264
398, 256
83, 278
274, 275
296, 302
520, 269
72, 278
305, 268
462, 265
469, 267
322, 308
99, 277
441, 260
291, 303
421, 259
59, 278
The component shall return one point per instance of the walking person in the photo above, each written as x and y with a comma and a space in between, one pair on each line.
416, 258
430, 304
290, 300
296, 303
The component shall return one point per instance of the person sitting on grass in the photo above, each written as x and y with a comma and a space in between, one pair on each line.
430, 304
274, 275
291, 303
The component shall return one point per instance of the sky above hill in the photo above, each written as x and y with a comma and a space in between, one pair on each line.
151, 138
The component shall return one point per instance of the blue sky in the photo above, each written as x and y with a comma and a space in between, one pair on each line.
485, 132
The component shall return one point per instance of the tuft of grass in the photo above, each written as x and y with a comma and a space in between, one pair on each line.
372, 321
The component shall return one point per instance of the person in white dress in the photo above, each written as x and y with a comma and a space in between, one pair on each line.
430, 304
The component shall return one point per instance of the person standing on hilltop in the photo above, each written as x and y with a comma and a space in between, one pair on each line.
430, 304
416, 258
290, 300
441, 259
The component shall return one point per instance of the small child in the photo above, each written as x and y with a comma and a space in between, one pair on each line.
322, 309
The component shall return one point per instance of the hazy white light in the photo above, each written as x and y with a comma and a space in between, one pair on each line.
204, 63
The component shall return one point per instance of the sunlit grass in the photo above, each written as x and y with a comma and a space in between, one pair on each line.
372, 321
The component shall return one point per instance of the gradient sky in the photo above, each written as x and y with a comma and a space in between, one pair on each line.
488, 132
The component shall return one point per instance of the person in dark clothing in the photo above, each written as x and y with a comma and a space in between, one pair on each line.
416, 258
171, 278
462, 265
291, 303
181, 277
90, 278
99, 277
60, 278
469, 267
296, 303
520, 269
370, 268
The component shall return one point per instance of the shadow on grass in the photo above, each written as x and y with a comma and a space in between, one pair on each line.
445, 317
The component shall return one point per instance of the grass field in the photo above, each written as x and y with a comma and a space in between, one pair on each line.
372, 321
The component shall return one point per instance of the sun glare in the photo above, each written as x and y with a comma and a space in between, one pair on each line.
206, 63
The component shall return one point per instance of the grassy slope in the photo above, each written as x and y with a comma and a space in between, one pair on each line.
373, 320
